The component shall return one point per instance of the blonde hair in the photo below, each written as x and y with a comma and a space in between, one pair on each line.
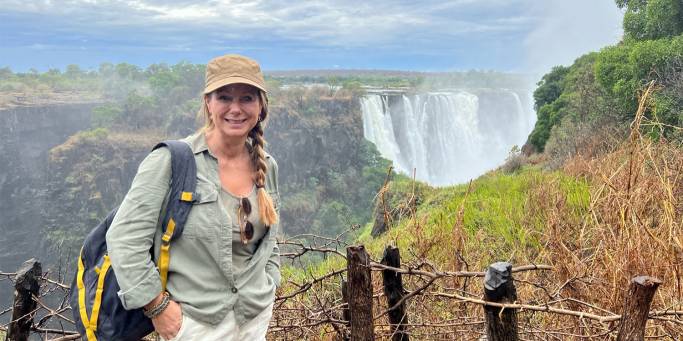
257, 145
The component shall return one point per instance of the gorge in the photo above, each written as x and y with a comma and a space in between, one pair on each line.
61, 172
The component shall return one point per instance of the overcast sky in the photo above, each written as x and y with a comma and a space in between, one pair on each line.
443, 35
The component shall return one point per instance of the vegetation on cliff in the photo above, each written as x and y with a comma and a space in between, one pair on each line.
601, 205
86, 176
600, 90
598, 221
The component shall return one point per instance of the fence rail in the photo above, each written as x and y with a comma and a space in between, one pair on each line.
363, 306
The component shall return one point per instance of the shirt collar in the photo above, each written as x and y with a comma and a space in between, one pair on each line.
198, 143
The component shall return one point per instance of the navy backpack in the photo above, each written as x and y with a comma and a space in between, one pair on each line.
97, 309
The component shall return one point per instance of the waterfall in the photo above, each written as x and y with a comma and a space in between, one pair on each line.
447, 137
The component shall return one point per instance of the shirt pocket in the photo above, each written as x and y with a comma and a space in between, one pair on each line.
203, 222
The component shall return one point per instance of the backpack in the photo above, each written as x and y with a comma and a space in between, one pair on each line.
97, 309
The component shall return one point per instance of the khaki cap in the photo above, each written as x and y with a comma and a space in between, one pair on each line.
231, 69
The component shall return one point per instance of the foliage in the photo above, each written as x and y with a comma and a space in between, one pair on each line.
622, 71
550, 87
417, 81
106, 115
604, 86
515, 160
598, 222
652, 19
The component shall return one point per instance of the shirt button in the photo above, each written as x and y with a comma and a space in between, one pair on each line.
234, 290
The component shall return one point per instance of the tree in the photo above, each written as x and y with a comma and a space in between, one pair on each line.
6, 73
127, 71
73, 71
106, 69
550, 87
652, 19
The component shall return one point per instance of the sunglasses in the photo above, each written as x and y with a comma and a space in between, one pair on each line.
246, 227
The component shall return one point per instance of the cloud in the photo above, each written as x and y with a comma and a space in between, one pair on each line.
330, 22
460, 34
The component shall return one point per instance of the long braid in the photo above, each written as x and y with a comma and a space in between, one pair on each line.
258, 156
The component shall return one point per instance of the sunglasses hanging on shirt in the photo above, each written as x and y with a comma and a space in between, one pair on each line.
246, 227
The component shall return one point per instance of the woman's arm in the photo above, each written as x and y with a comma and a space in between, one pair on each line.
131, 234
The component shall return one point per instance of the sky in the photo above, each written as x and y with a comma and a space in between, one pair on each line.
527, 36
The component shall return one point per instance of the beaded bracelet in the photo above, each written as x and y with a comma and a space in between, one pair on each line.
157, 309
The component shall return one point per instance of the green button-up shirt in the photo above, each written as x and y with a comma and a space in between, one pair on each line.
201, 274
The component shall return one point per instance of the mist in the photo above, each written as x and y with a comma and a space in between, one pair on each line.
565, 30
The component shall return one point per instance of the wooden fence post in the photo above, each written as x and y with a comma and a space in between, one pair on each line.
393, 290
26, 285
636, 308
346, 316
360, 293
499, 287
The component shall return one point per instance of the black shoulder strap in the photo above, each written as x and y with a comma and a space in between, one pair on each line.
182, 195
183, 185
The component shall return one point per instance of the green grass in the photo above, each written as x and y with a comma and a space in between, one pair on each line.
503, 220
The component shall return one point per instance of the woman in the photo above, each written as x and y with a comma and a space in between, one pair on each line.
224, 268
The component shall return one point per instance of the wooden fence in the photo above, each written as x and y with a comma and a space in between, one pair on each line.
499, 301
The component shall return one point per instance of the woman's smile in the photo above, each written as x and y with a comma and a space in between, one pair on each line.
235, 121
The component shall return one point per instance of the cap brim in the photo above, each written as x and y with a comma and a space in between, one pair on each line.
232, 80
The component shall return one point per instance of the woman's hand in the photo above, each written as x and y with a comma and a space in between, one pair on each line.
168, 323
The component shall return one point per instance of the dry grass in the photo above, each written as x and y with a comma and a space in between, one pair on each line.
634, 225
629, 224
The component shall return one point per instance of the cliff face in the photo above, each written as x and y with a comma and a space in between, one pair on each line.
317, 142
27, 135
88, 176
59, 182
306, 147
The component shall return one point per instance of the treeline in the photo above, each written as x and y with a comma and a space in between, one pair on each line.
600, 91
116, 81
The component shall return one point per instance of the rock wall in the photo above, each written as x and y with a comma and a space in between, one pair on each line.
27, 135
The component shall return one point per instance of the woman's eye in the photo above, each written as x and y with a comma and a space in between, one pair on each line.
224, 98
248, 98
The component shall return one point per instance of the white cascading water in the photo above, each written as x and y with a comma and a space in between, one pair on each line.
445, 136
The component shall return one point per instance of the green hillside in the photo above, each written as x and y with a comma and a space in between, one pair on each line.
596, 195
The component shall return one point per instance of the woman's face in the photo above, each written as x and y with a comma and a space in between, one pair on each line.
234, 109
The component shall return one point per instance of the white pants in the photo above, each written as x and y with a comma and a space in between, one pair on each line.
227, 330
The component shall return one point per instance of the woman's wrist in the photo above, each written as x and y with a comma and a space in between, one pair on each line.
157, 306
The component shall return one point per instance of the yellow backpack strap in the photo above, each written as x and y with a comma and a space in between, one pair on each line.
90, 334
183, 184
165, 257
90, 324
98, 294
